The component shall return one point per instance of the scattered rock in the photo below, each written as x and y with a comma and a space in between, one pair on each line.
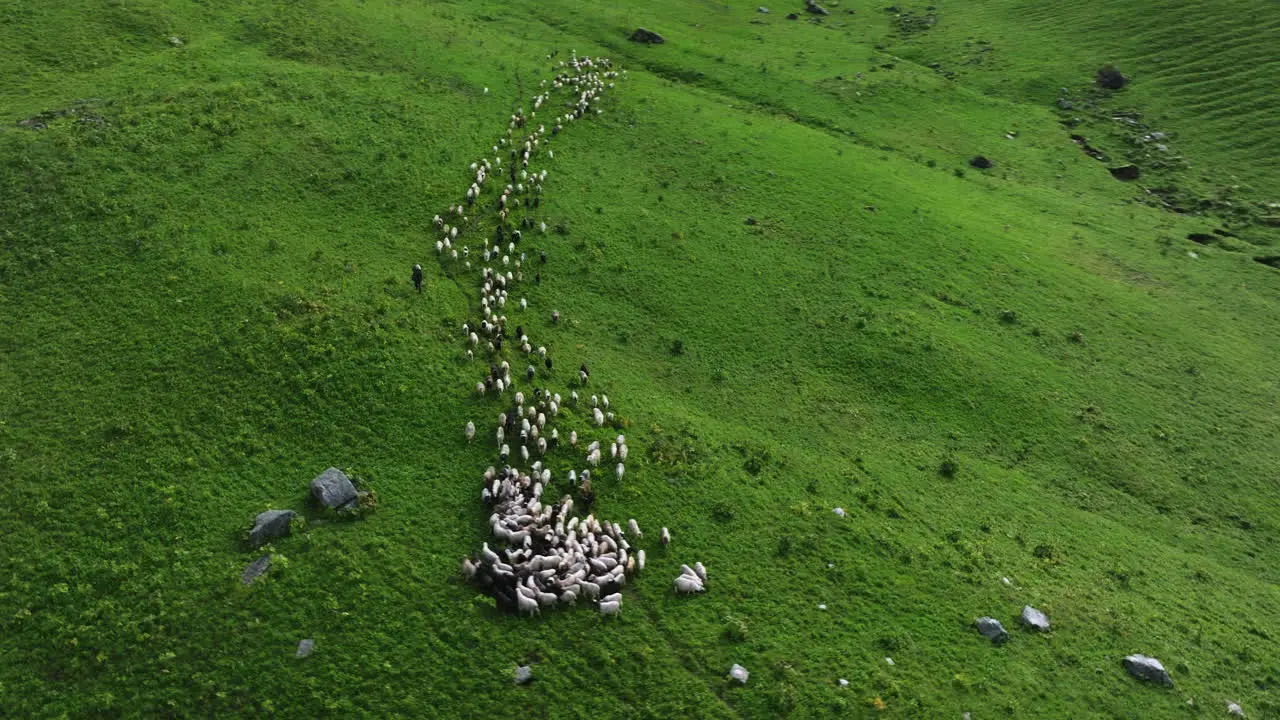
739, 674
1125, 172
305, 647
524, 675
1034, 618
647, 36
1147, 668
270, 524
255, 569
1111, 78
333, 489
79, 109
981, 163
1235, 709
991, 629
813, 7
175, 41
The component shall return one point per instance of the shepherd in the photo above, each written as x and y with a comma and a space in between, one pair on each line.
417, 277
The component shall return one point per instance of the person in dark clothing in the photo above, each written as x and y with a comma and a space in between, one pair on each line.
417, 277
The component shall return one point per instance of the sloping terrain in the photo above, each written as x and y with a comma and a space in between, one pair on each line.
1027, 372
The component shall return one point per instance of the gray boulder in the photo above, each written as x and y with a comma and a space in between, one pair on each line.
1035, 619
1147, 668
305, 647
991, 629
333, 489
524, 675
270, 524
255, 569
647, 36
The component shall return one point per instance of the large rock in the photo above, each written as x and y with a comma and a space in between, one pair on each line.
1035, 619
333, 489
1111, 78
270, 524
647, 36
991, 629
255, 569
1147, 668
1126, 172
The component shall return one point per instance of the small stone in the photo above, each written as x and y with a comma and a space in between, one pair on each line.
991, 629
255, 569
1147, 668
739, 674
524, 675
1034, 618
647, 36
270, 524
305, 647
333, 489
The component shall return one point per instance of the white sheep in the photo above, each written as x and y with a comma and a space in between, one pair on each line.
634, 527
688, 584
620, 470
470, 431
595, 414
610, 608
640, 560
666, 536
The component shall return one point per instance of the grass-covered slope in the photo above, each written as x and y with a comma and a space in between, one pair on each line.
204, 283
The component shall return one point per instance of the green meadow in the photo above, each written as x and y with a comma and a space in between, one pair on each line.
1032, 384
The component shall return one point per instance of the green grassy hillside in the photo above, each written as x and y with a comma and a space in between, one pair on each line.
205, 301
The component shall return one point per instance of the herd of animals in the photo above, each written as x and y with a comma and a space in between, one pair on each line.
544, 555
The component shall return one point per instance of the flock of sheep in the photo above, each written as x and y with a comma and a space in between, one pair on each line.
544, 555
